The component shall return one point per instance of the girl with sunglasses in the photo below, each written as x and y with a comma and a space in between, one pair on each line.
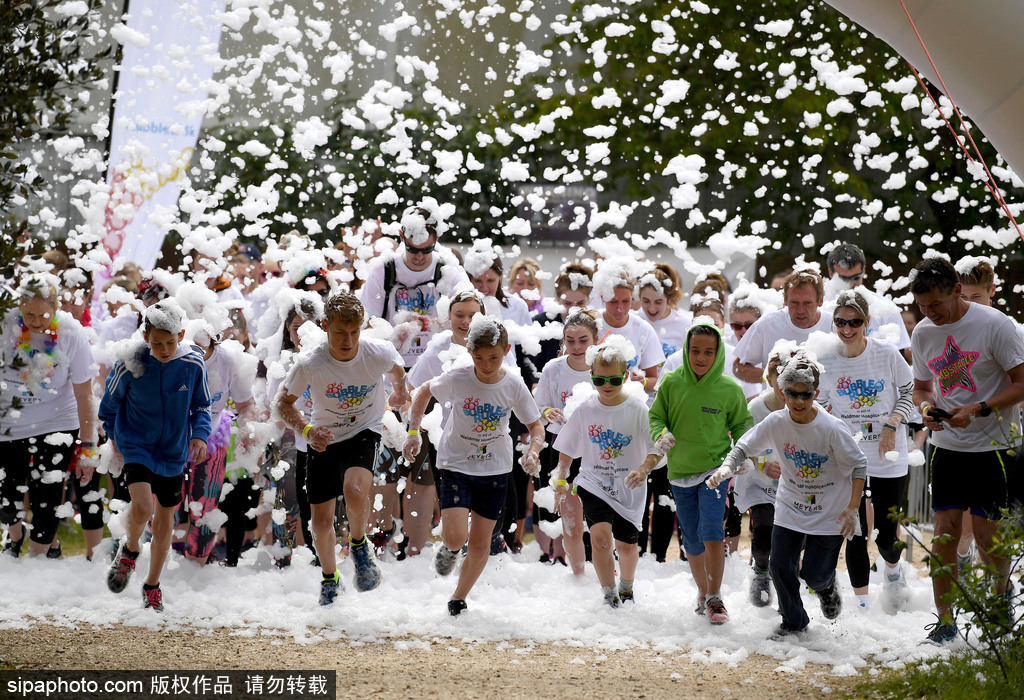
557, 380
869, 386
609, 433
698, 401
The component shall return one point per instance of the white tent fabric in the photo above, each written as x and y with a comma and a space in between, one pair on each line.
977, 47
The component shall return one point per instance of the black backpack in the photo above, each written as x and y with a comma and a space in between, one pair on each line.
390, 281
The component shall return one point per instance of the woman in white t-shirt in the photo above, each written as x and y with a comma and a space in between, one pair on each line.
869, 386
660, 293
47, 423
560, 376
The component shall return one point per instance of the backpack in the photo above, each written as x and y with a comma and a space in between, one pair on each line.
390, 282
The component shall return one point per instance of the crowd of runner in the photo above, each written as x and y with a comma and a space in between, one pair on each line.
347, 399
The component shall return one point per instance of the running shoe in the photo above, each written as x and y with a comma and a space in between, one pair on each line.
444, 559
329, 588
941, 633
831, 601
55, 551
13, 547
761, 589
381, 539
895, 591
121, 569
153, 598
701, 605
785, 633
367, 574
965, 561
610, 597
626, 596
717, 613
456, 606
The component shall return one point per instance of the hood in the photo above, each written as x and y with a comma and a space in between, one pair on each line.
718, 367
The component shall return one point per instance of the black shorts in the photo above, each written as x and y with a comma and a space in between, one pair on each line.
484, 495
974, 480
595, 511
167, 489
325, 471
391, 466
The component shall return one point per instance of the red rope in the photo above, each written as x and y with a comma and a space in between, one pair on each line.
991, 182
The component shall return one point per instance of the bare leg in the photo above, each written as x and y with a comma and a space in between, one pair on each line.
947, 526
629, 555
604, 560
163, 523
419, 509
480, 531
985, 532
321, 525
714, 566
700, 576
358, 489
572, 534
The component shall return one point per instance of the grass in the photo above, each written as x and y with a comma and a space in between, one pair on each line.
963, 675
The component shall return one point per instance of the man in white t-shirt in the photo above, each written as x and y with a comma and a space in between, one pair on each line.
406, 285
968, 380
847, 269
803, 294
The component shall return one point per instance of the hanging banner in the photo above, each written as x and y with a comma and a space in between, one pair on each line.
169, 47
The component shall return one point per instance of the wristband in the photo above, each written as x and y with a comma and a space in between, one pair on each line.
414, 431
985, 411
545, 413
305, 431
561, 482
644, 380
889, 426
925, 407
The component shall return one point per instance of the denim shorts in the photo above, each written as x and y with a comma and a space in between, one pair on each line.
484, 495
700, 511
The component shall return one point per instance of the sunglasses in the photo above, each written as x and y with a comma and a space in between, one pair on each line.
419, 251
740, 326
851, 278
851, 322
613, 381
802, 395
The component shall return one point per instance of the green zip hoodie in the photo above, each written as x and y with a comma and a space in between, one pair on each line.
702, 414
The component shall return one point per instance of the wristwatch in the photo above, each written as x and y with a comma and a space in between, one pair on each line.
985, 411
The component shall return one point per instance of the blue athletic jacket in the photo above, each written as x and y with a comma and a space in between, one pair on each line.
153, 417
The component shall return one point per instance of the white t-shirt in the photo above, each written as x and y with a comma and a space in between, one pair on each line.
611, 441
230, 374
476, 439
862, 391
818, 460
754, 487
44, 385
276, 373
760, 338
555, 386
440, 356
348, 397
414, 292
968, 361
642, 336
671, 330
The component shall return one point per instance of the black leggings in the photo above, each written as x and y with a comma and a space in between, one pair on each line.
658, 527
884, 493
236, 504
26, 461
762, 520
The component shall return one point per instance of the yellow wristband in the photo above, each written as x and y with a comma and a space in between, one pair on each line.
413, 431
644, 380
561, 482
305, 431
546, 411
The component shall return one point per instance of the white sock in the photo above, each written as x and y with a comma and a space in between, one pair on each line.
892, 570
862, 599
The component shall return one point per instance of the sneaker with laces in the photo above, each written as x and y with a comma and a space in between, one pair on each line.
444, 559
717, 613
784, 633
940, 633
55, 551
626, 596
153, 598
121, 569
701, 605
13, 547
329, 588
367, 574
831, 601
610, 597
965, 561
760, 589
895, 591
456, 606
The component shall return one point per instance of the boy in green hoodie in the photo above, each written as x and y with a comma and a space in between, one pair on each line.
706, 411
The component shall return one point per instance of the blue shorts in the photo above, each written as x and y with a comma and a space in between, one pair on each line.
700, 511
484, 495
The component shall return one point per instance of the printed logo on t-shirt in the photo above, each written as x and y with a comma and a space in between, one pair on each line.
417, 300
953, 367
348, 395
610, 442
860, 392
565, 397
485, 416
808, 464
216, 397
668, 349
812, 499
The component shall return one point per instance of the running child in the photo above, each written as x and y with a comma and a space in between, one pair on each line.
156, 411
821, 479
698, 400
345, 376
475, 451
608, 432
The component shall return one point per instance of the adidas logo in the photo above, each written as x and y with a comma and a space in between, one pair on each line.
183, 387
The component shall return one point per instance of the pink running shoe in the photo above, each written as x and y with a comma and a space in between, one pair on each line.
716, 611
153, 598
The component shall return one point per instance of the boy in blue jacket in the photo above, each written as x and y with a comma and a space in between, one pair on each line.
156, 411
